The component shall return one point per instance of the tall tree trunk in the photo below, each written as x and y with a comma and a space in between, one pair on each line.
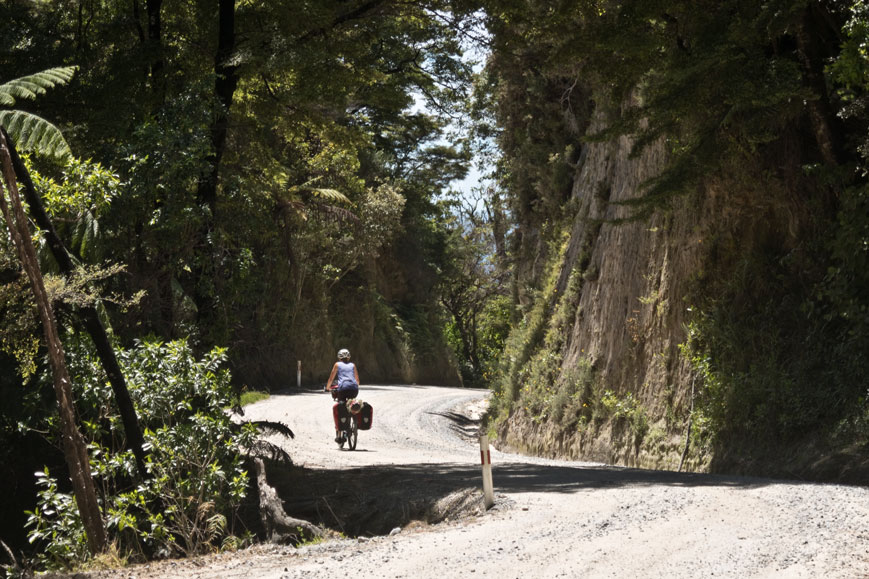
154, 47
151, 39
89, 315
74, 447
155, 34
821, 112
224, 89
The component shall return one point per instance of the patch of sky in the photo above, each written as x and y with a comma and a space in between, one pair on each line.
474, 41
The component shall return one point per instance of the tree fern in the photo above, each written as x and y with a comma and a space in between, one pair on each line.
305, 198
30, 132
33, 133
31, 86
332, 195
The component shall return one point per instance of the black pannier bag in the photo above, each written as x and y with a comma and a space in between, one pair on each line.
364, 413
365, 417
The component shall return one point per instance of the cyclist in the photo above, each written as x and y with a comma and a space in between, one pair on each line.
344, 382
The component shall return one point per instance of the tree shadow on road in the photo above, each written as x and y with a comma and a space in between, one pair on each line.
372, 500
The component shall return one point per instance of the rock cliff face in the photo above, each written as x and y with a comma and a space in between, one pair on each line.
699, 300
632, 306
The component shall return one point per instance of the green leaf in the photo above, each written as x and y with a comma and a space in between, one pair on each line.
330, 194
31, 86
33, 133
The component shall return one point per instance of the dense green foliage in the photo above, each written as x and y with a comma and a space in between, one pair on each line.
323, 164
197, 479
254, 176
764, 101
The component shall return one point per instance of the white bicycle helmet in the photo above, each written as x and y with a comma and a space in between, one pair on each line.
343, 354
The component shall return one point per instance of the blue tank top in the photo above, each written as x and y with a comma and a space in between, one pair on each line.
346, 376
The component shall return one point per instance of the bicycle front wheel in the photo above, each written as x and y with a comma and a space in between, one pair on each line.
352, 433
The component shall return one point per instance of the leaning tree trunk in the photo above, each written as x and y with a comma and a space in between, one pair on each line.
74, 448
89, 315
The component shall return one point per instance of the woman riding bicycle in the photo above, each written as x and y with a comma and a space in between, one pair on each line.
346, 376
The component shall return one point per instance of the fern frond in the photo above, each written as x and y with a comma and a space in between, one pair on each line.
332, 195
33, 133
85, 231
31, 86
270, 427
337, 214
215, 525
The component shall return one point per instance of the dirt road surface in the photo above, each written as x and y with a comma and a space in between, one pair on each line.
551, 518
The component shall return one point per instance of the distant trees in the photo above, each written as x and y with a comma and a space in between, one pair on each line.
474, 287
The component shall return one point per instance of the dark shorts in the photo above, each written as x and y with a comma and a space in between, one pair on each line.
347, 393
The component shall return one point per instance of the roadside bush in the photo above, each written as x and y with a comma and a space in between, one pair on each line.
779, 354
576, 395
627, 408
196, 476
57, 525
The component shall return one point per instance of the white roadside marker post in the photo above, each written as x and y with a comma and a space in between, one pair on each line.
299, 375
486, 459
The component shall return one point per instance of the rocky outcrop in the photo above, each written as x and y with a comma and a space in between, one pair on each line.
633, 304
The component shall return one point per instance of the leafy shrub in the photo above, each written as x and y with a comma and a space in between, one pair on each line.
575, 395
779, 351
56, 524
196, 477
628, 408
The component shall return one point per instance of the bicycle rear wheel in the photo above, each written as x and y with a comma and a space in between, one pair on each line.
352, 433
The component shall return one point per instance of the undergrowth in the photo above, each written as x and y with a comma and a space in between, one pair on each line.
780, 357
535, 380
196, 477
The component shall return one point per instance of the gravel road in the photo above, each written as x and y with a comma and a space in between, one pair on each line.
551, 518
